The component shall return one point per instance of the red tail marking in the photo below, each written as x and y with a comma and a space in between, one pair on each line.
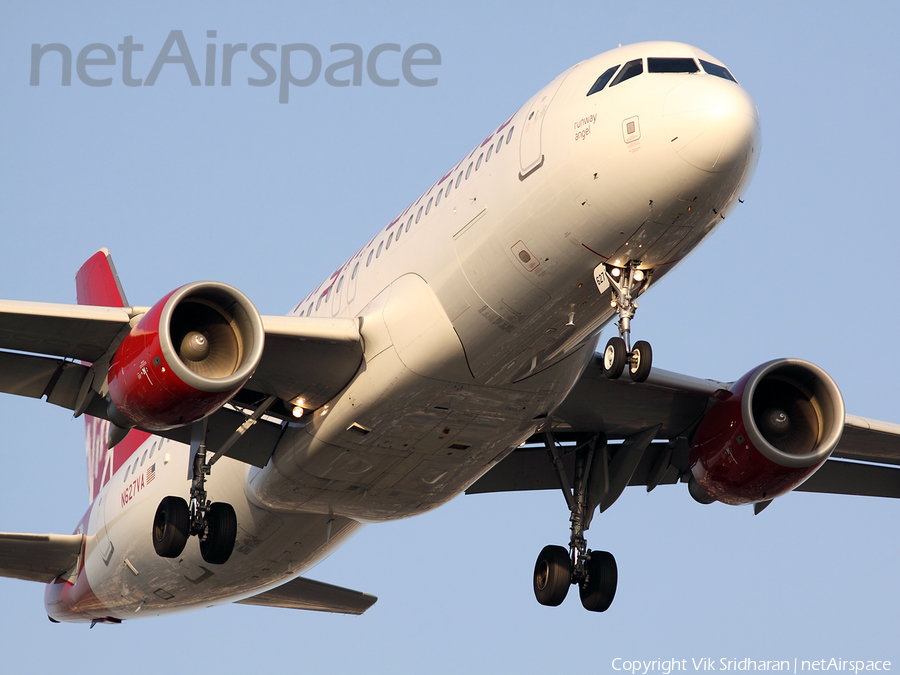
102, 462
97, 284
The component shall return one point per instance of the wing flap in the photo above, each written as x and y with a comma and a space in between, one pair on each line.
838, 477
35, 376
869, 441
81, 332
38, 557
302, 593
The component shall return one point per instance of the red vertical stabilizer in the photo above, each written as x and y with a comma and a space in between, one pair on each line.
96, 283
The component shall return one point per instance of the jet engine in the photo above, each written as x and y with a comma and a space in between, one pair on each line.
767, 434
185, 358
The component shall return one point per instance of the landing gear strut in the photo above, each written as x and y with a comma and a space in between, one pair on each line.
625, 284
214, 523
594, 572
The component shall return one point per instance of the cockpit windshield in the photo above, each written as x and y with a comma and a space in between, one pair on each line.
718, 71
671, 65
603, 79
629, 70
658, 64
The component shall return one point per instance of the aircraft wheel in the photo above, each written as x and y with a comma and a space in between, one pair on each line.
552, 574
170, 527
219, 542
641, 360
614, 357
599, 589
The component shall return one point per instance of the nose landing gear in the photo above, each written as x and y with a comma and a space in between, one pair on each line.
626, 284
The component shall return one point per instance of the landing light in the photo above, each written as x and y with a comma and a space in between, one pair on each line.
616, 272
297, 411
638, 275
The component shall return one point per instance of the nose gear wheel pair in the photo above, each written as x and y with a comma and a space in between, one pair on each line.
625, 285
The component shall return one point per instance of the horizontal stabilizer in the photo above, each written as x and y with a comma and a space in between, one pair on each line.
38, 557
318, 596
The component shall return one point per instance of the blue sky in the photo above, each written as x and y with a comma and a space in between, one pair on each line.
185, 183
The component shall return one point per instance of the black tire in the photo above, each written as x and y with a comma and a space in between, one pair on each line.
598, 591
219, 543
552, 576
614, 357
170, 527
641, 361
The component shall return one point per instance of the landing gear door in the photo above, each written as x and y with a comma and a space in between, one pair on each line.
530, 156
601, 278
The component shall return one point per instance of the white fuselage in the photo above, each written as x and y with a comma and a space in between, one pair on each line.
477, 320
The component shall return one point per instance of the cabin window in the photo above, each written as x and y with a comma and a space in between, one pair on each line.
437, 199
428, 208
509, 135
499, 144
380, 246
480, 157
369, 259
629, 70
340, 283
449, 185
459, 179
603, 79
390, 239
355, 270
717, 70
409, 223
419, 215
319, 303
488, 158
308, 313
671, 65
469, 170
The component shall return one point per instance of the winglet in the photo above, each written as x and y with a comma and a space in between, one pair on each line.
96, 282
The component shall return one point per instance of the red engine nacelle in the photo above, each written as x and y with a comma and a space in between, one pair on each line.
186, 357
768, 434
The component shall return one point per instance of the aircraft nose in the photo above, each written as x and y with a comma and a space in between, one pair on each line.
712, 123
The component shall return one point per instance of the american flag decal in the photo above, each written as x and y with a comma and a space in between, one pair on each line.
151, 472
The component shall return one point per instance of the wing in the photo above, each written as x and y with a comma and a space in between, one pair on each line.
38, 557
304, 593
42, 344
655, 420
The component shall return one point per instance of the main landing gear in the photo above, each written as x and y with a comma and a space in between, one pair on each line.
215, 523
594, 572
625, 283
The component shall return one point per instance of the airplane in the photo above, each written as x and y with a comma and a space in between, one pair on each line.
455, 351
